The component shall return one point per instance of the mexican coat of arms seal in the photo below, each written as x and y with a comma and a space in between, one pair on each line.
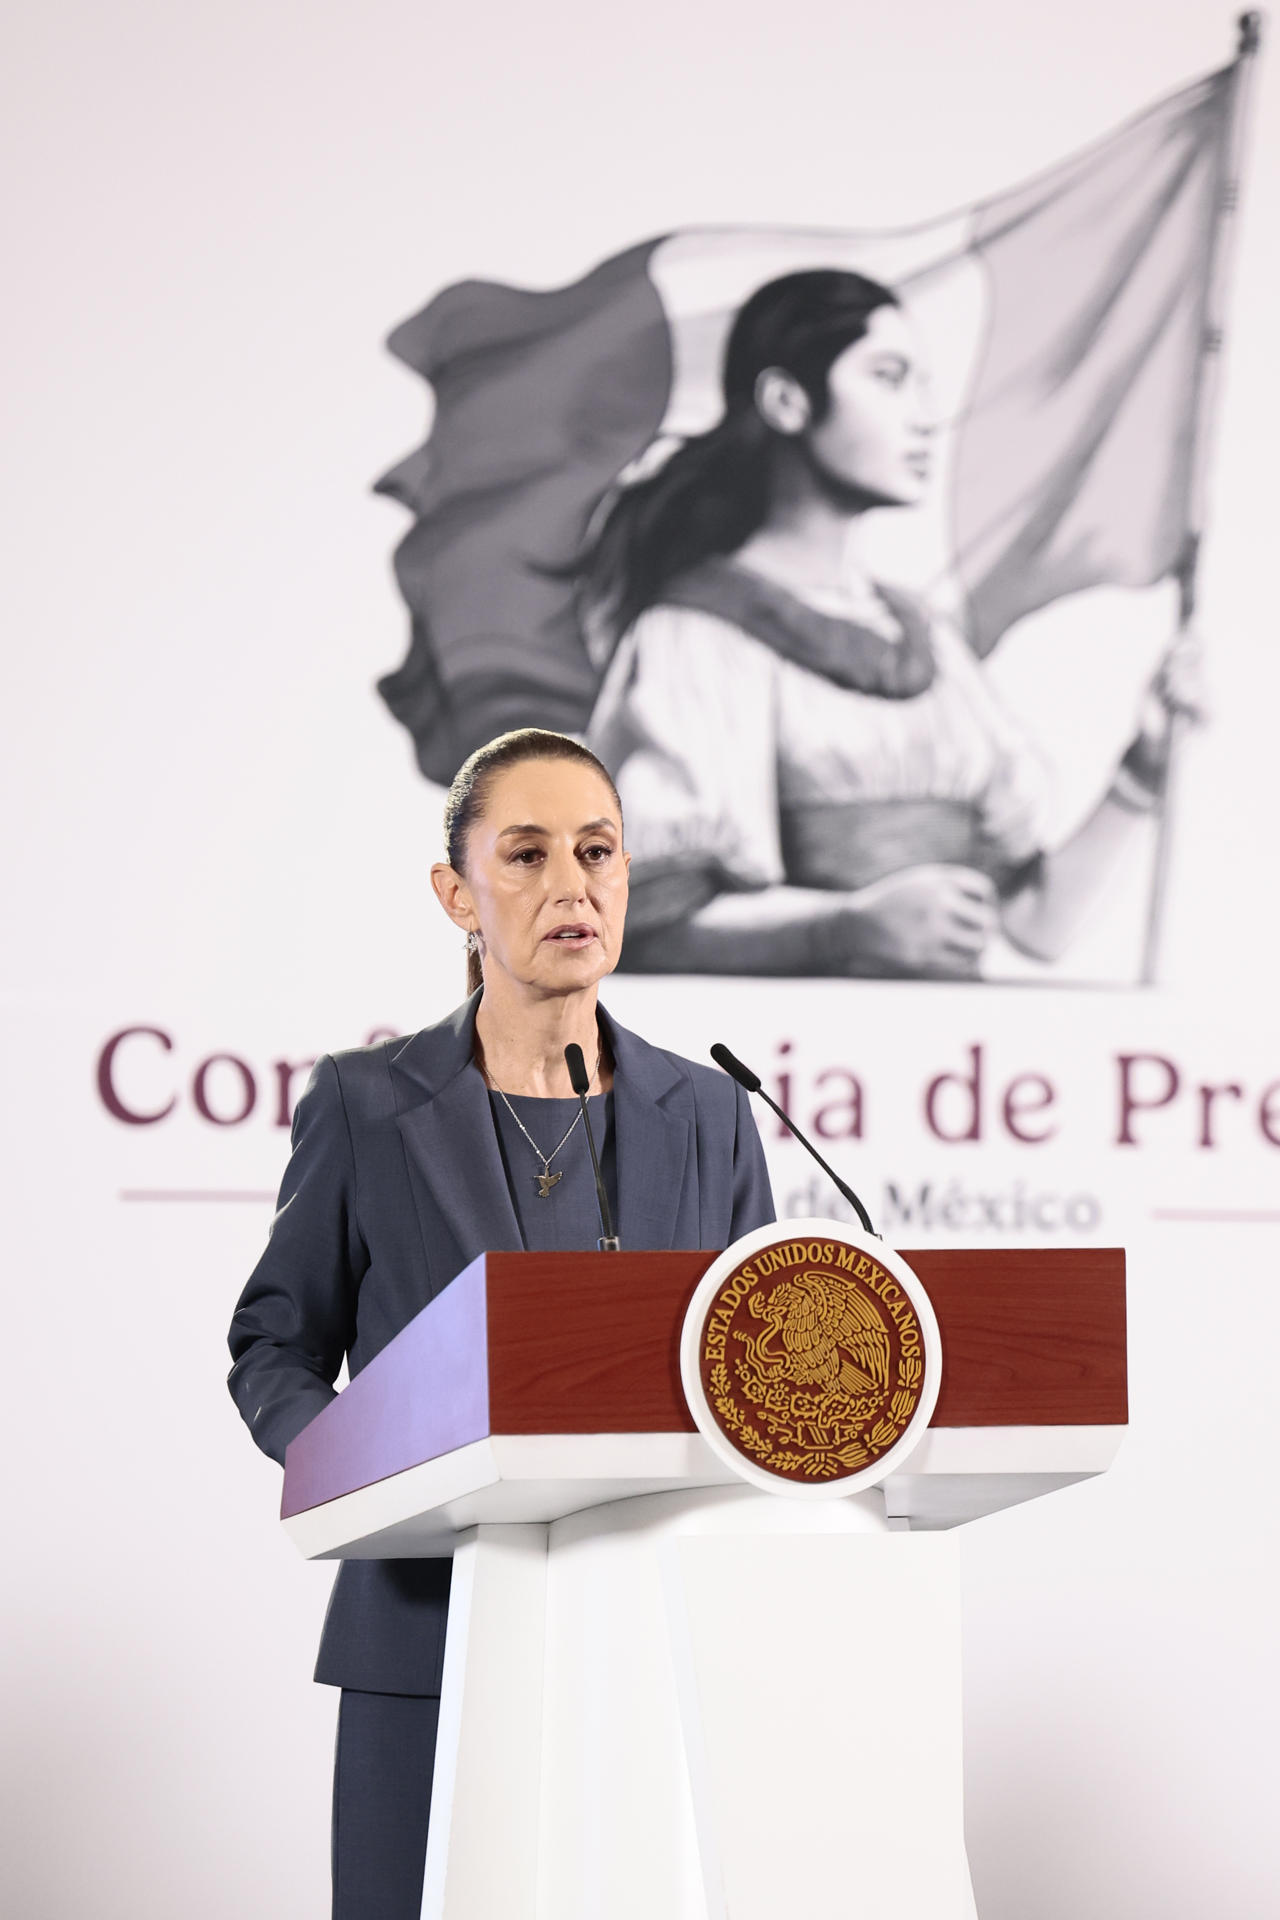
811, 1357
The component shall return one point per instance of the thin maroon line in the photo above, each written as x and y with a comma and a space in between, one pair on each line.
194, 1193
1239, 1215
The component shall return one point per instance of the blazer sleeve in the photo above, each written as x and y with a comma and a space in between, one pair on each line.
752, 1194
296, 1317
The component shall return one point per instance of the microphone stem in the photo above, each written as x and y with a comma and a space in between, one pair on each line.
830, 1172
608, 1241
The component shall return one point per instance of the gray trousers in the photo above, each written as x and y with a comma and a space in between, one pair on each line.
385, 1754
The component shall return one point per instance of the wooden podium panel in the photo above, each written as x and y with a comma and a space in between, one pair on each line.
1028, 1338
555, 1376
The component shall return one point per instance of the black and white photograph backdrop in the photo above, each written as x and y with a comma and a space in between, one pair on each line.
859, 426
664, 506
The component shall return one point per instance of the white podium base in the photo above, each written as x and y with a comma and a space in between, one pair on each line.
654, 1708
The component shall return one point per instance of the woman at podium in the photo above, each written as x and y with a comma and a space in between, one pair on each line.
413, 1156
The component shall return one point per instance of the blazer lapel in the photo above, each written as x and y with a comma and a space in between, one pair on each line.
452, 1149
651, 1143
456, 1167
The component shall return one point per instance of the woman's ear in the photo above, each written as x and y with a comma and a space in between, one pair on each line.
782, 402
454, 896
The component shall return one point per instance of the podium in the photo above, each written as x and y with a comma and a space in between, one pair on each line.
664, 1691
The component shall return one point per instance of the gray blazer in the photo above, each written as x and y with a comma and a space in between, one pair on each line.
395, 1184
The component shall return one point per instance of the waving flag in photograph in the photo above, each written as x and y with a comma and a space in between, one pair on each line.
1069, 324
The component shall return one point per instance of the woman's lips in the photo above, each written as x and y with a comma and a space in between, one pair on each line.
575, 935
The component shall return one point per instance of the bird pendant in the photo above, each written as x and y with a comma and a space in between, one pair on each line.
546, 1181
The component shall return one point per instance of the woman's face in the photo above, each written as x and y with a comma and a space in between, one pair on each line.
875, 437
545, 884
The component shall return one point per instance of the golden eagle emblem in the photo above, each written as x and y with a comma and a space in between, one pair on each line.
820, 1331
811, 1358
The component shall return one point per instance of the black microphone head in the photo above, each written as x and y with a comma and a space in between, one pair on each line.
579, 1078
735, 1069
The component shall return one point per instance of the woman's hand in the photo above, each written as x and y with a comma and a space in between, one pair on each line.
1178, 683
933, 921
1042, 918
926, 922
1175, 693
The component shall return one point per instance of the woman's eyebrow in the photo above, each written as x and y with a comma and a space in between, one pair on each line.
604, 823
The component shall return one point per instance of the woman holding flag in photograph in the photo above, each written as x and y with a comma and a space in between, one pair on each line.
652, 510
819, 777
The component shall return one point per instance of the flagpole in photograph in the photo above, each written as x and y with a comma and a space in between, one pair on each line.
1249, 29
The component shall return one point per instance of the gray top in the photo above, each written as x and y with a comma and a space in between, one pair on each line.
569, 1217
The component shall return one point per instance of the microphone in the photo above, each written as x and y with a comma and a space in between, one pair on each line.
580, 1081
751, 1081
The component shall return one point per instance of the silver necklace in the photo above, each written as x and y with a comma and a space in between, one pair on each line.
546, 1179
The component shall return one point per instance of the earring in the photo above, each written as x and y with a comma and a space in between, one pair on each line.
473, 943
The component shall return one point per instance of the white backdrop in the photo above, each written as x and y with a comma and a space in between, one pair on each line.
212, 218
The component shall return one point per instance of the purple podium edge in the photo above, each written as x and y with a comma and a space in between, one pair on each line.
424, 1395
